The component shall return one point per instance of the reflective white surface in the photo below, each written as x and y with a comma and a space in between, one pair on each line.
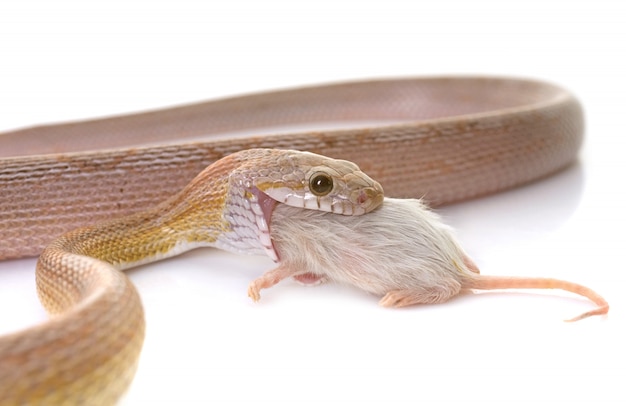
207, 343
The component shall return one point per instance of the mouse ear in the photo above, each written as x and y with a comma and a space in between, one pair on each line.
470, 264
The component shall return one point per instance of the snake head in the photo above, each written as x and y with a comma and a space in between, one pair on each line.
316, 182
264, 178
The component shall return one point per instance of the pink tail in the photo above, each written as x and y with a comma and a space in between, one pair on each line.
485, 282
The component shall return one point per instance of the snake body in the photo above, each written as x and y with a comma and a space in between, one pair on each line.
445, 139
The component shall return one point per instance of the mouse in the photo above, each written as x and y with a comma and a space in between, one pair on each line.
401, 252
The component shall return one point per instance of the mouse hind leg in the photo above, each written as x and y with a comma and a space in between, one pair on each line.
470, 264
422, 295
310, 279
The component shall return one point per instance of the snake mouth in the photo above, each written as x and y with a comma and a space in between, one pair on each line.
263, 207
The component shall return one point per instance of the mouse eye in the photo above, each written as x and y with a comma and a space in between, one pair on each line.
321, 184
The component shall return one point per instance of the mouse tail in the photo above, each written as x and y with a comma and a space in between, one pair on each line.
484, 282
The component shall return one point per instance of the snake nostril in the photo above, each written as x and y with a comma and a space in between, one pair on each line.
369, 198
362, 198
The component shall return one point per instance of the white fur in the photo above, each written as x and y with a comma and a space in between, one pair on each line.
400, 250
401, 246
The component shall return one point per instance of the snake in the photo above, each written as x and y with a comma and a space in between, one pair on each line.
95, 197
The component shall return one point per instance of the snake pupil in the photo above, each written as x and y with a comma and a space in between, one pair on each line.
321, 184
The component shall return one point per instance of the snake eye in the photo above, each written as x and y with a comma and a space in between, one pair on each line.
321, 184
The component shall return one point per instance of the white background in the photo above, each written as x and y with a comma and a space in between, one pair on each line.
207, 343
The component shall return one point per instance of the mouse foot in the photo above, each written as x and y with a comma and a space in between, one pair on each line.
439, 294
267, 280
